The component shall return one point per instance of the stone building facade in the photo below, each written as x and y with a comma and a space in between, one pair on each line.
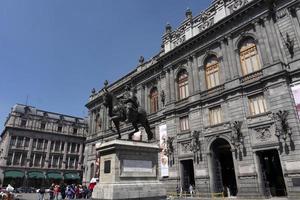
222, 86
38, 147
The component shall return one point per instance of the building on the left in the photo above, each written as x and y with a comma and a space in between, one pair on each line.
39, 147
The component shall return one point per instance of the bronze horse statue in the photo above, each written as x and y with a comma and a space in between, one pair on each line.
117, 110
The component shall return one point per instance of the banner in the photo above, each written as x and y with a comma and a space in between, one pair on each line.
296, 94
164, 167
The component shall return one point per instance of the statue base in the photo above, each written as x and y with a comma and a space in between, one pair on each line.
128, 170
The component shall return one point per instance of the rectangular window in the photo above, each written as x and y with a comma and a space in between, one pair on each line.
52, 146
57, 146
59, 129
23, 122
257, 104
9, 159
43, 125
74, 130
13, 141
184, 123
73, 147
215, 115
40, 144
20, 141
26, 142
55, 161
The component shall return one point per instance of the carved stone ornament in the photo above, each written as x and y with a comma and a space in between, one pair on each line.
185, 147
163, 97
195, 146
237, 4
283, 131
141, 60
169, 150
281, 123
236, 137
263, 134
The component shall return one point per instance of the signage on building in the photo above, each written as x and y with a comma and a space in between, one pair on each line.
164, 167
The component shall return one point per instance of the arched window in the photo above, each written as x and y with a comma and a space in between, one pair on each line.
183, 87
249, 56
212, 72
92, 172
153, 100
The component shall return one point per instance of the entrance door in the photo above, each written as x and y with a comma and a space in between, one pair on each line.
187, 173
223, 168
271, 171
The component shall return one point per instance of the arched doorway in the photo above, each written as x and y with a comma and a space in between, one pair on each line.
222, 168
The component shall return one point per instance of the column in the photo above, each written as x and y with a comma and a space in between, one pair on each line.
13, 158
190, 75
142, 88
272, 41
41, 158
33, 160
69, 161
236, 170
80, 156
17, 138
203, 85
267, 56
295, 15
29, 152
225, 67
47, 154
51, 164
65, 155
20, 160
23, 142
195, 68
210, 171
146, 99
168, 90
233, 54
172, 86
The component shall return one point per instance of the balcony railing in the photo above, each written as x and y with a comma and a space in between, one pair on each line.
251, 77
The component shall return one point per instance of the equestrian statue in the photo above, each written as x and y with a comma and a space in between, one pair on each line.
126, 110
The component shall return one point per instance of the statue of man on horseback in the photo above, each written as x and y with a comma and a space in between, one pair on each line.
131, 103
126, 110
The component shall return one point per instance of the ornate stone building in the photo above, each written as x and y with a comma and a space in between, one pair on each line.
38, 147
221, 90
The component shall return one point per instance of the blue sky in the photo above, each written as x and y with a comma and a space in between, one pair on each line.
56, 51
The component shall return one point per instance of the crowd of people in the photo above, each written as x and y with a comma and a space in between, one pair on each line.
66, 192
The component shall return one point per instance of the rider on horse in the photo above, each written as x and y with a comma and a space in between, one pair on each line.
131, 103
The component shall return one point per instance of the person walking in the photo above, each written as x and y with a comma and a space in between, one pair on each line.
51, 190
57, 193
41, 194
191, 190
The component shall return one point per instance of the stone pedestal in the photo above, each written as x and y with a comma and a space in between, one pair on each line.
128, 170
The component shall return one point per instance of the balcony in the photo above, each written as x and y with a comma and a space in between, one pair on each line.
251, 77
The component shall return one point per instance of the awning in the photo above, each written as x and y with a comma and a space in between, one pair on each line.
54, 175
72, 176
36, 175
13, 174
